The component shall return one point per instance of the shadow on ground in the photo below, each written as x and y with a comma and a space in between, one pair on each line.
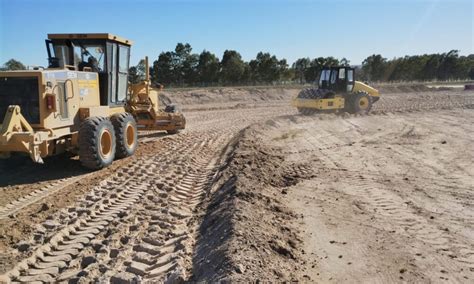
19, 170
210, 260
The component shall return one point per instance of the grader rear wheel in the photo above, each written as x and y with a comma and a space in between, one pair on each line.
96, 143
125, 133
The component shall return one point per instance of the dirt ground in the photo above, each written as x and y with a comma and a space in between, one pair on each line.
252, 190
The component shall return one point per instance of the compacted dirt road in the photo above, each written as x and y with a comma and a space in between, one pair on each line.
253, 190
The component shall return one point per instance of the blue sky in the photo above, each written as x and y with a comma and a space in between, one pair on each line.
287, 28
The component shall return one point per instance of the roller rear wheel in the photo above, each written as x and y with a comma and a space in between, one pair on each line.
359, 102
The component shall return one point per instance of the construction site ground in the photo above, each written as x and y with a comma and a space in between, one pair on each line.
252, 190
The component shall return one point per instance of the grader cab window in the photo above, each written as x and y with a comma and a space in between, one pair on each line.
91, 56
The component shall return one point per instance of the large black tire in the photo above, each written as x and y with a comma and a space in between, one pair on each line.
170, 108
174, 131
96, 143
305, 94
360, 102
126, 136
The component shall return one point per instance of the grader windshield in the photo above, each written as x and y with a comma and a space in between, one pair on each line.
78, 54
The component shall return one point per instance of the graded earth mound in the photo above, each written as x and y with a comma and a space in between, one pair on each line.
218, 98
248, 232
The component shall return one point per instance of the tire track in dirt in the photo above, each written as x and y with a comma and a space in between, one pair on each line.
37, 195
168, 240
181, 187
391, 207
101, 207
57, 185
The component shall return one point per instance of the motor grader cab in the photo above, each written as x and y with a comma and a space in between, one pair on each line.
77, 104
337, 91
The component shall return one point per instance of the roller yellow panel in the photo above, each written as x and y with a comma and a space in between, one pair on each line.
359, 86
335, 103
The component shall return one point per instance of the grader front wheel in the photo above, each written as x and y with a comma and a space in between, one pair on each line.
96, 143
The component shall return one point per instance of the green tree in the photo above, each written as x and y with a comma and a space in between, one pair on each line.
286, 74
208, 68
164, 69
232, 67
12, 65
344, 62
374, 67
266, 68
137, 73
189, 69
430, 68
185, 64
300, 66
471, 73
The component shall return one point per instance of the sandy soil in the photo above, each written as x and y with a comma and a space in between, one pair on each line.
376, 199
392, 198
252, 190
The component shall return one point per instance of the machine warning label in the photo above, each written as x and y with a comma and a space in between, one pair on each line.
90, 84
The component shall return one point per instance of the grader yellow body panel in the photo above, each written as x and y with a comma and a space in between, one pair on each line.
52, 112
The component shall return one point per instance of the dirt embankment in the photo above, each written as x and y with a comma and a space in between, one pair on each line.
248, 232
227, 98
251, 97
405, 88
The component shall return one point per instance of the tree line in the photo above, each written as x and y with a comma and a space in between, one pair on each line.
181, 67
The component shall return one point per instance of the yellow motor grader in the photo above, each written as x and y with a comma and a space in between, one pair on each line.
82, 103
337, 91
